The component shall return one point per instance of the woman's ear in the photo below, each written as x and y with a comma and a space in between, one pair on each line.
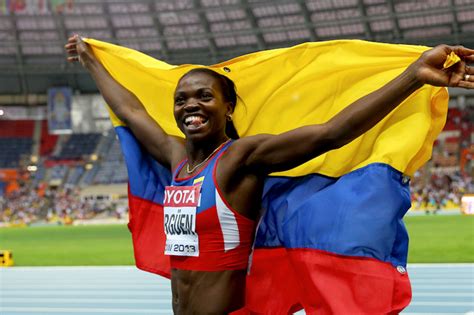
230, 108
230, 111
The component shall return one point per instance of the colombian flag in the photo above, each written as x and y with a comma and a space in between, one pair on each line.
332, 239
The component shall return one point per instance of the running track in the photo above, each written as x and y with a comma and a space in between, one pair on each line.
437, 289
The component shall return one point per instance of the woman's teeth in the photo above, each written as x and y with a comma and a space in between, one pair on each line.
194, 120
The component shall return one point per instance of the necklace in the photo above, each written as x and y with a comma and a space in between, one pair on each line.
190, 171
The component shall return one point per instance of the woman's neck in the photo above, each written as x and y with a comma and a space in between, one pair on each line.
198, 152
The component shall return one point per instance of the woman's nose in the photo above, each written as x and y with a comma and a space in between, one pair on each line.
191, 105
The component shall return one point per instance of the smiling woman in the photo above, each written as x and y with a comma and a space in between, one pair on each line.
209, 234
201, 106
220, 86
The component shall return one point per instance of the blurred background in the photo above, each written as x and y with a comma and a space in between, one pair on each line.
60, 161
63, 181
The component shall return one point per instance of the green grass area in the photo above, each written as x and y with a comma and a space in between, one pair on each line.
69, 245
441, 238
432, 239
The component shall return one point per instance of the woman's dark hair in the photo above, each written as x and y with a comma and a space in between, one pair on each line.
228, 92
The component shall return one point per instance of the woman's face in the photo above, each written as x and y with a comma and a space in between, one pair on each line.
199, 106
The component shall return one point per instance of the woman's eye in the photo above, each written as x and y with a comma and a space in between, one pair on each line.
179, 101
206, 96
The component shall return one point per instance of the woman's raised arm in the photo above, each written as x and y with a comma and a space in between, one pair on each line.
271, 153
126, 106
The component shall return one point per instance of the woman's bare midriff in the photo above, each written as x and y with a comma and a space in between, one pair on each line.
207, 292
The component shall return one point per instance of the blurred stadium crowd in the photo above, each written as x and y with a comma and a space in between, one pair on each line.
437, 192
37, 203
49, 188
448, 176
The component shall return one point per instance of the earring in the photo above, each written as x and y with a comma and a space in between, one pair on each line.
228, 117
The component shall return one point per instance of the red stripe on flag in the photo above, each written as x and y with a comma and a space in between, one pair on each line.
283, 281
147, 227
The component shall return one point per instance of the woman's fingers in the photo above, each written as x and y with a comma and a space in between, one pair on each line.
469, 58
469, 70
466, 84
72, 39
462, 51
71, 52
72, 48
73, 58
467, 78
80, 45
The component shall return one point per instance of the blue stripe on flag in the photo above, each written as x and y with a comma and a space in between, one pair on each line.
358, 214
147, 178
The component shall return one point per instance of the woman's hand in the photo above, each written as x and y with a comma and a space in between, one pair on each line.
429, 68
78, 50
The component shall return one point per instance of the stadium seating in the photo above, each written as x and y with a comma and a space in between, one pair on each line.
112, 169
88, 176
39, 175
74, 175
15, 141
13, 149
48, 141
16, 128
57, 173
78, 145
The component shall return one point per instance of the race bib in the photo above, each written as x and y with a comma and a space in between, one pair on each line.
180, 206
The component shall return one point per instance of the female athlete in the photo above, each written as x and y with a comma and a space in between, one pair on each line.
215, 198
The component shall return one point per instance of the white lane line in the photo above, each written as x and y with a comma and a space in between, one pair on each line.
85, 282
435, 276
442, 303
58, 285
443, 273
87, 277
89, 300
83, 286
78, 293
147, 293
441, 280
75, 268
444, 294
50, 310
442, 287
439, 265
446, 274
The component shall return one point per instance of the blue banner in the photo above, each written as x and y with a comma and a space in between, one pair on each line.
59, 110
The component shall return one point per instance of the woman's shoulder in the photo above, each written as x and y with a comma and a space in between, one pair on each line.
240, 150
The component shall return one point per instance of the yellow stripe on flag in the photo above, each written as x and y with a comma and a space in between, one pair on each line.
198, 180
286, 88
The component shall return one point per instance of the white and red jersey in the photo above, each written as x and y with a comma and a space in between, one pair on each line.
202, 230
